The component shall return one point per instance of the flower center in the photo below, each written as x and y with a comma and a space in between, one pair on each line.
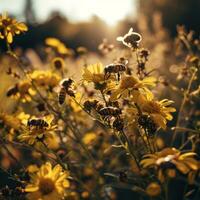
46, 186
5, 22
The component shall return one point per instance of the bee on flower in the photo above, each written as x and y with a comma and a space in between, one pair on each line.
10, 27
114, 68
131, 39
159, 111
47, 182
168, 161
95, 74
38, 129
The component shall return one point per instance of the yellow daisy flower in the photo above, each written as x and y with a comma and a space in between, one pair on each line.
131, 86
48, 183
170, 159
38, 129
10, 27
159, 111
45, 78
94, 73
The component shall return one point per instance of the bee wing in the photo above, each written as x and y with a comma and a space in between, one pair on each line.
120, 39
130, 30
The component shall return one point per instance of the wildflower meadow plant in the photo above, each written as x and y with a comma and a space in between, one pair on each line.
83, 137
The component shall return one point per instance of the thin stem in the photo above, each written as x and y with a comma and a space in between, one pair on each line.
130, 151
148, 142
57, 157
104, 98
182, 105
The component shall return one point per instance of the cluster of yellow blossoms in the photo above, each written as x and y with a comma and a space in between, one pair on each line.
120, 101
10, 27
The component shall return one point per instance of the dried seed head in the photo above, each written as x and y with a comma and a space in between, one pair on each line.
148, 124
131, 39
118, 124
90, 104
110, 111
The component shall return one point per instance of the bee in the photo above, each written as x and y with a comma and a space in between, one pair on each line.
40, 123
12, 91
114, 68
70, 92
113, 104
66, 83
67, 87
61, 95
110, 111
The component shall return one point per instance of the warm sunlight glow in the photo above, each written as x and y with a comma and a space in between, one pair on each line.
111, 11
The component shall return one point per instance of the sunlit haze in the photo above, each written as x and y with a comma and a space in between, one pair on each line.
111, 11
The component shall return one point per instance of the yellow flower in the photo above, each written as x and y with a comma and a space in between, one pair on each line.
13, 123
76, 108
48, 183
10, 27
32, 169
53, 141
158, 111
89, 138
58, 63
131, 87
169, 159
34, 133
153, 189
58, 46
23, 117
131, 39
94, 73
45, 78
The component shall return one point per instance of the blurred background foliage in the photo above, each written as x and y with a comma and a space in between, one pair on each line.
90, 33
